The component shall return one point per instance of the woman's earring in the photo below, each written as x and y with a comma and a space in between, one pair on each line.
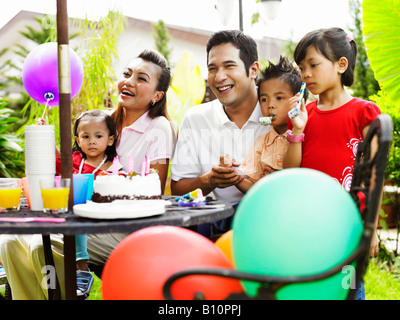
153, 103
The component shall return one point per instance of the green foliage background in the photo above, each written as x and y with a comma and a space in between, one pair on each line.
98, 53
381, 26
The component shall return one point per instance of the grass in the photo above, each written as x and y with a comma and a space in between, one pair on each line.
95, 293
381, 282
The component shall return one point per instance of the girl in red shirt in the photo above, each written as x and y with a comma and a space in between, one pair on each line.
326, 133
94, 150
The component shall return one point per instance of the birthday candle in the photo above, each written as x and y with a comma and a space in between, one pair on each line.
115, 165
130, 163
147, 165
296, 110
143, 169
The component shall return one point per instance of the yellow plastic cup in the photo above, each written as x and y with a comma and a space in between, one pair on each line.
10, 194
55, 194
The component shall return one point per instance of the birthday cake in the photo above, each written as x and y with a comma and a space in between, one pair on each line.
121, 195
132, 186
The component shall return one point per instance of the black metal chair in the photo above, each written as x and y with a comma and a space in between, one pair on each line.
368, 179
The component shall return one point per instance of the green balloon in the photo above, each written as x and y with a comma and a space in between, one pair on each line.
297, 222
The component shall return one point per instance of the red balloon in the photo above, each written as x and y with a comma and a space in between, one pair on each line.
139, 266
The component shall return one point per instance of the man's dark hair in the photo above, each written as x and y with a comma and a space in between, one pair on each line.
247, 46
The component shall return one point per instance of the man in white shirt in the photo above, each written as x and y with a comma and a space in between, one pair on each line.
226, 125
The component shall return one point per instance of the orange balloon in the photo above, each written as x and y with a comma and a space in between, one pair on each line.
139, 266
224, 242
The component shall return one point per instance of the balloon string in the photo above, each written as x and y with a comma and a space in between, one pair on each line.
45, 108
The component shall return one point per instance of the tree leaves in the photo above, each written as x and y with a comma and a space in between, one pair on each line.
187, 87
10, 148
381, 20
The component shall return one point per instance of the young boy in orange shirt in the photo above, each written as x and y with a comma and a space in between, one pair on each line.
277, 86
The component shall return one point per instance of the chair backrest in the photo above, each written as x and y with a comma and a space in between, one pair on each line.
367, 183
366, 190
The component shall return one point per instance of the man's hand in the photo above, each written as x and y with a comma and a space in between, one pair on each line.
224, 175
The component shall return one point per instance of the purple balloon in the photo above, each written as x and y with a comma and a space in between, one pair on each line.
40, 73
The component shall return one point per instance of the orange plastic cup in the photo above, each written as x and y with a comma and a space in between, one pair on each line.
25, 186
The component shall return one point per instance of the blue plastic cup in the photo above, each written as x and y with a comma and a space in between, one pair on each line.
90, 185
80, 183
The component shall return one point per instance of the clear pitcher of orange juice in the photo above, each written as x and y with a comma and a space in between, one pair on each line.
10, 194
55, 194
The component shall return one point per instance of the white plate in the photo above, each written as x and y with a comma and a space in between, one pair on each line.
120, 209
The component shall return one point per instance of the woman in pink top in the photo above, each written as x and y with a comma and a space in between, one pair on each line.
141, 119
142, 129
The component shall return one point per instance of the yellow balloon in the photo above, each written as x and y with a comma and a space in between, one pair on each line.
224, 242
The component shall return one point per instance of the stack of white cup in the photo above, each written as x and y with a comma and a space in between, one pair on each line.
40, 160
